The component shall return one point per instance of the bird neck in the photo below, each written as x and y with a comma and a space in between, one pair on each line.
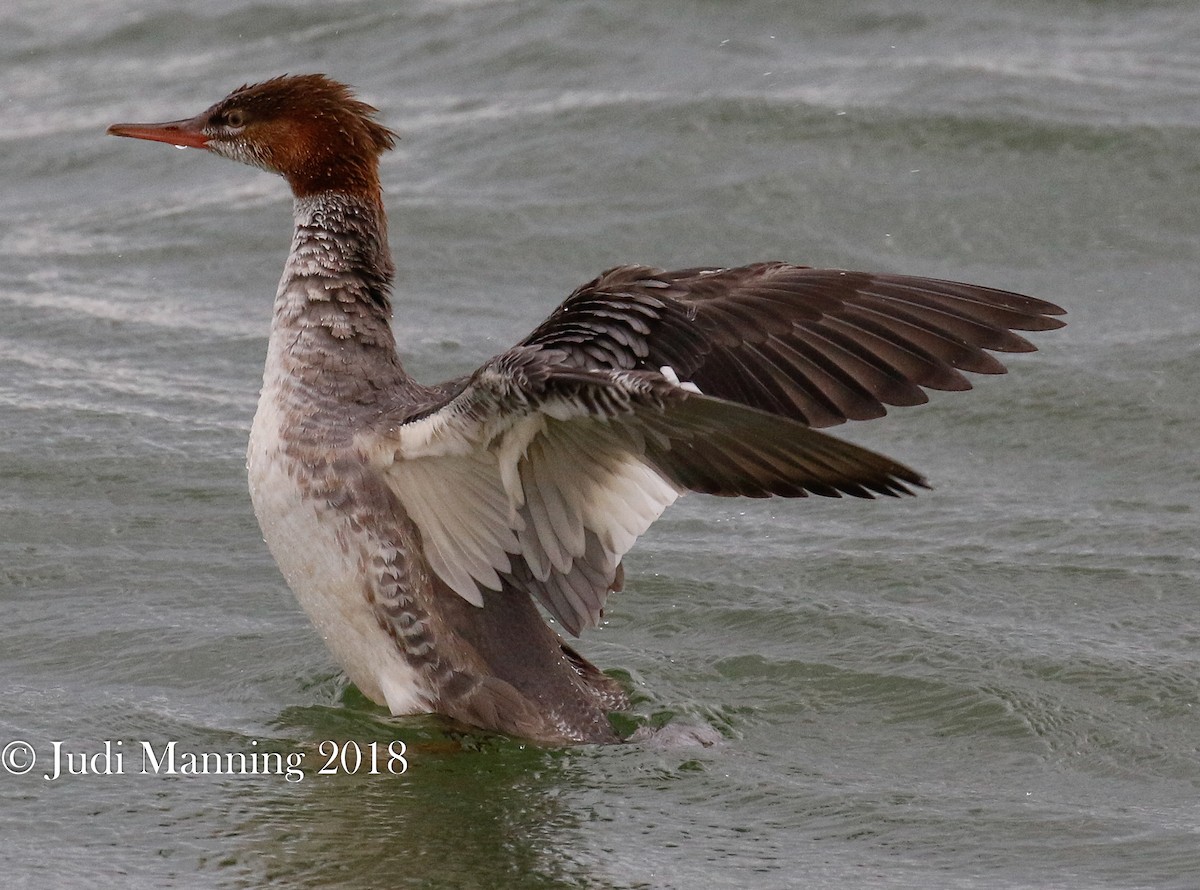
332, 322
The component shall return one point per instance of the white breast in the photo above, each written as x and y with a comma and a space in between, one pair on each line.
322, 559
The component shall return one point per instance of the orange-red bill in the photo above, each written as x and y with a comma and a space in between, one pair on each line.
186, 134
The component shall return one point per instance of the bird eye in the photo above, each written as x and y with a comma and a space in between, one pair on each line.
235, 119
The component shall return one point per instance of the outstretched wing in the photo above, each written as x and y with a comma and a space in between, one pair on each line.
549, 473
554, 457
819, 345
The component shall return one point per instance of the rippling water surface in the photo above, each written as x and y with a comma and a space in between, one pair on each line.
995, 684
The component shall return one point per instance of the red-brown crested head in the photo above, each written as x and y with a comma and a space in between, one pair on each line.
307, 128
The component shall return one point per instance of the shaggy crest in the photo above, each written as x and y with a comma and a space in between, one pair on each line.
308, 128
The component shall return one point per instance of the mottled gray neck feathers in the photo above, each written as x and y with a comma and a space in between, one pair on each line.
332, 327
340, 247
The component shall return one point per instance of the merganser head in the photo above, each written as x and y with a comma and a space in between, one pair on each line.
307, 128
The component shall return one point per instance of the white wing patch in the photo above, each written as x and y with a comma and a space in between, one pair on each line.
468, 523
567, 491
582, 476
669, 372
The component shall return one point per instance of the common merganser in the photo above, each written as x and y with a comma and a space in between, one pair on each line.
420, 525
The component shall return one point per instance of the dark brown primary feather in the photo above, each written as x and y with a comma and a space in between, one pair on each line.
722, 448
820, 345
